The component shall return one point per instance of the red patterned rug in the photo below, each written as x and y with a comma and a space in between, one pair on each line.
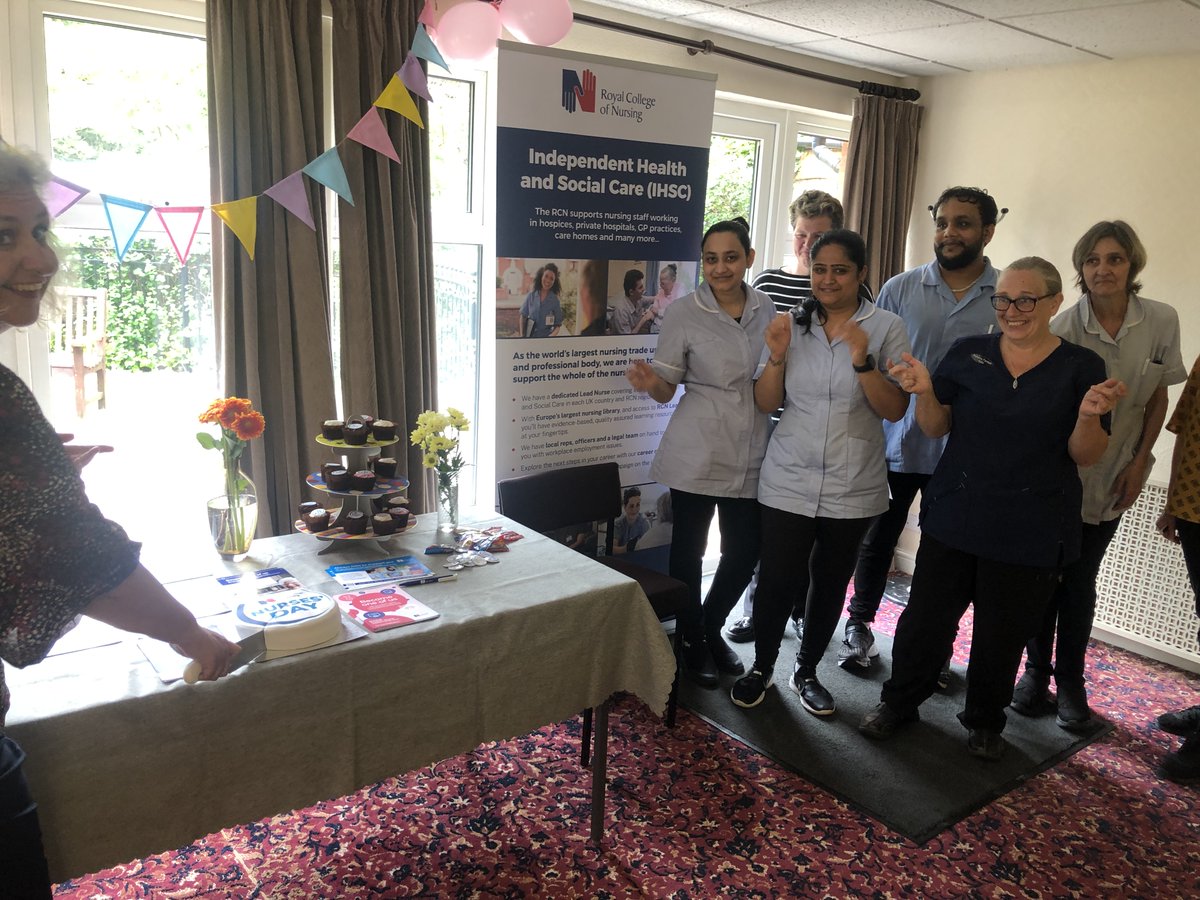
694, 813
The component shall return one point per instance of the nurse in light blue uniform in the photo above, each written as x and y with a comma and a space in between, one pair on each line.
824, 476
711, 342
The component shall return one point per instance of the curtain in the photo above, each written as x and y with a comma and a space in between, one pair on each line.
881, 167
389, 364
265, 112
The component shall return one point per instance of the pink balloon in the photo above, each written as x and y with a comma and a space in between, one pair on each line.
468, 31
541, 22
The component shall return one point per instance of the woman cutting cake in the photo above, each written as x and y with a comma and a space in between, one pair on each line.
59, 557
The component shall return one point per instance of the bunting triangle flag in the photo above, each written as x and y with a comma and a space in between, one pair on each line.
328, 170
414, 78
397, 98
59, 195
181, 224
125, 218
291, 194
423, 47
371, 132
427, 17
242, 218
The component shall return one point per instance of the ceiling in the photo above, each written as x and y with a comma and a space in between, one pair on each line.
927, 37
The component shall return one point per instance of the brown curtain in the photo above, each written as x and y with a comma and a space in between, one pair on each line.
881, 169
265, 112
389, 366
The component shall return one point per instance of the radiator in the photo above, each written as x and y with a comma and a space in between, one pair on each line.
1144, 601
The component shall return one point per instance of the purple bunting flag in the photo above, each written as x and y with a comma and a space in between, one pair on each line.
413, 76
291, 194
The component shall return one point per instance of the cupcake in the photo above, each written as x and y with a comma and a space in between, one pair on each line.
338, 480
366, 420
355, 433
328, 467
355, 522
362, 480
383, 523
317, 520
383, 430
385, 466
331, 429
308, 506
400, 515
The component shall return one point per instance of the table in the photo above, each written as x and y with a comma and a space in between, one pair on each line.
124, 766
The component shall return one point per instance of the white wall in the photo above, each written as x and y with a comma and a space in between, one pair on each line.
1064, 147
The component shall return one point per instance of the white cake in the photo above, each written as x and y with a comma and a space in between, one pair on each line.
296, 620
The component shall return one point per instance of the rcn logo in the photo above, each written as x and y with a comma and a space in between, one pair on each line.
579, 92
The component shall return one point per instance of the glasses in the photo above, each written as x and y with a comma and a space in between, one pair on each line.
1023, 304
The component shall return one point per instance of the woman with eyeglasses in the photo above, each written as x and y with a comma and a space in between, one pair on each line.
1000, 517
1138, 339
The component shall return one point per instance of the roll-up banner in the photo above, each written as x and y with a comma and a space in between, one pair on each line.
601, 169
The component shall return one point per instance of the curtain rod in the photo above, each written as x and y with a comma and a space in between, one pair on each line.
694, 47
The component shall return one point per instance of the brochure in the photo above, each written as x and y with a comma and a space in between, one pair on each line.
393, 570
382, 607
264, 581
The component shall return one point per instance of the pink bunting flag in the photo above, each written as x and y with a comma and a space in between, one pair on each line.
181, 224
291, 194
427, 17
371, 132
59, 195
414, 78
423, 47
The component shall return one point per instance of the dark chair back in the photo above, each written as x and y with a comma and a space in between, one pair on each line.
558, 498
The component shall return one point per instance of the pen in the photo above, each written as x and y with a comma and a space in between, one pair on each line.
430, 579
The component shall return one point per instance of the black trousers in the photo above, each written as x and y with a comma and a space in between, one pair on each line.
24, 874
739, 522
879, 544
1071, 611
1009, 601
1189, 540
830, 546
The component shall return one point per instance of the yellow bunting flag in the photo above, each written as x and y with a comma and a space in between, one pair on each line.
241, 216
397, 98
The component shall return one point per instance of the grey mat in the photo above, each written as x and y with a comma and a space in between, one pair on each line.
919, 782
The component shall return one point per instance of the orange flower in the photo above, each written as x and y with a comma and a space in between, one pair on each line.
249, 426
212, 415
234, 407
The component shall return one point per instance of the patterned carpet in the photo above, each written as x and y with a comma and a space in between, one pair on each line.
693, 813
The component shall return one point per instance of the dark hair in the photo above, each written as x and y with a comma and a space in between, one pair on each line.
1123, 234
632, 277
856, 250
737, 226
629, 494
537, 279
988, 212
814, 205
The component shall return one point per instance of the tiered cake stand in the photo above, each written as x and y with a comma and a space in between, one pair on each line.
356, 457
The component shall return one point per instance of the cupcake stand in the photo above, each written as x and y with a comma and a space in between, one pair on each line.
356, 457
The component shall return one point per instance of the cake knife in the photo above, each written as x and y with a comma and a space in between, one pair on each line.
253, 646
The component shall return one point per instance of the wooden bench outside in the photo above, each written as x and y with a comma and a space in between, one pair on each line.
77, 341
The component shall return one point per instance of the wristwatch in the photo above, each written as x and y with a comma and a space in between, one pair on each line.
867, 366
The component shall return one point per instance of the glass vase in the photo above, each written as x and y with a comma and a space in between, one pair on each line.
233, 516
448, 509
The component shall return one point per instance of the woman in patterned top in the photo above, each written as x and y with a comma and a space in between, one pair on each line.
59, 557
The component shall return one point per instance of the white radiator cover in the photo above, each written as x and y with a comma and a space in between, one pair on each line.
1144, 601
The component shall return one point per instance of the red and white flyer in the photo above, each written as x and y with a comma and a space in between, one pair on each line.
383, 607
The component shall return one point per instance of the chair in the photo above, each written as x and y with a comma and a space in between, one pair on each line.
560, 498
78, 342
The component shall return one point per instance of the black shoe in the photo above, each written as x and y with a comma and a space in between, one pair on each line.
741, 631
945, 676
858, 649
813, 696
698, 664
750, 690
882, 721
1031, 696
985, 744
1073, 711
724, 658
1183, 767
1185, 722
798, 627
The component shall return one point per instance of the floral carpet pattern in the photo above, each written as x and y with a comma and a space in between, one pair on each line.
693, 813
